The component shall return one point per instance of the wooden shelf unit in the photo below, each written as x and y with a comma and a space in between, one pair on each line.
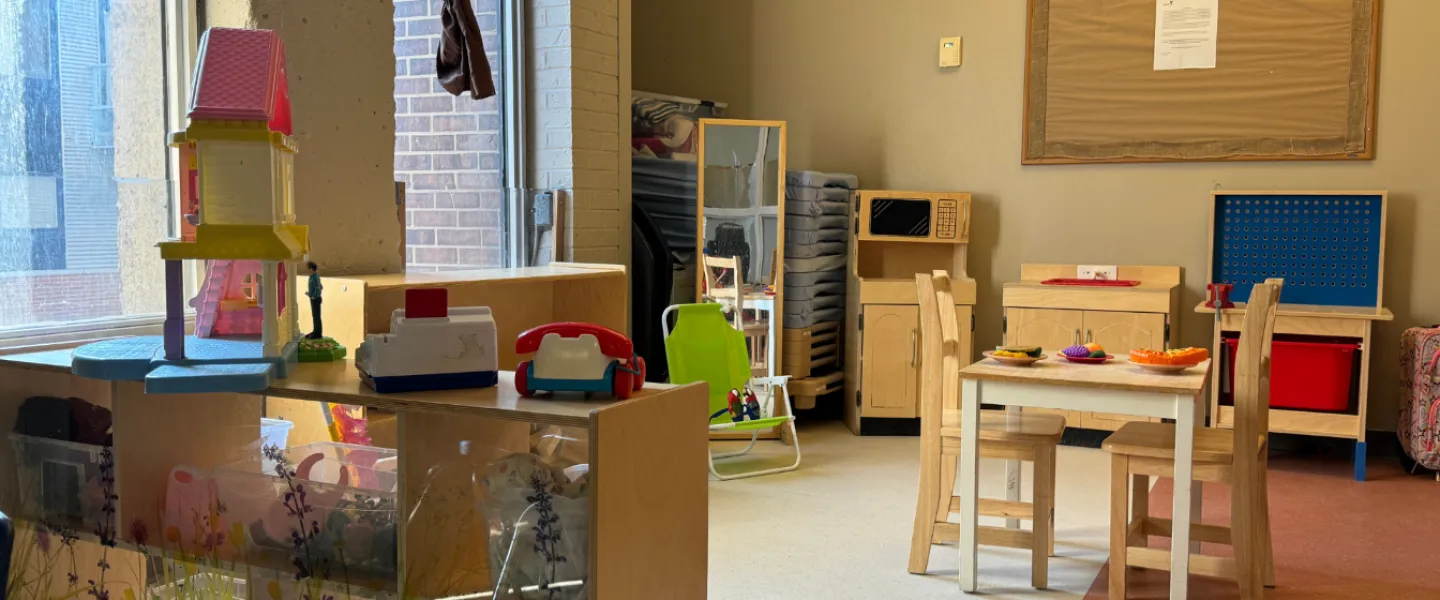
647, 496
1119, 318
1314, 270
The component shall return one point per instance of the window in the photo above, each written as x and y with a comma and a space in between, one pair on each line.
84, 172
454, 154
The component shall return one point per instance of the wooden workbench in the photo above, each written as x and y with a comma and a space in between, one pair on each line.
647, 496
1307, 319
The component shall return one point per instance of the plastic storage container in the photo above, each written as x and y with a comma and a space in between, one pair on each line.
59, 481
1305, 373
275, 432
349, 509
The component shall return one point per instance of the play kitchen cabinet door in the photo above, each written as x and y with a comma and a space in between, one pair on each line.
1121, 332
1051, 329
890, 359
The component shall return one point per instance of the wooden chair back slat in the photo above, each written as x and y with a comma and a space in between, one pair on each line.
1252, 372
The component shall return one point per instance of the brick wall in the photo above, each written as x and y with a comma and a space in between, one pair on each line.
448, 149
574, 104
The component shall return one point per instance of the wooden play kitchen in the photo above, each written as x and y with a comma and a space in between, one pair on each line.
896, 235
1137, 310
638, 520
1329, 247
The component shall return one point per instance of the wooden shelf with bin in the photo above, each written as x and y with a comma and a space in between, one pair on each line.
645, 499
1119, 318
1333, 288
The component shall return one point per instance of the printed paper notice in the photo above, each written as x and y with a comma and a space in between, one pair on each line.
1185, 33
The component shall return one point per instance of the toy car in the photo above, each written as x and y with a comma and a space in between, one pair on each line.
577, 357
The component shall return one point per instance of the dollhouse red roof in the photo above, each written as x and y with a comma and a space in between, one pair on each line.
240, 75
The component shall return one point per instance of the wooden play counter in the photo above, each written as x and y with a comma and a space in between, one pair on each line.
646, 491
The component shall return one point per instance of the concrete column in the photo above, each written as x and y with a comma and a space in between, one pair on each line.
340, 64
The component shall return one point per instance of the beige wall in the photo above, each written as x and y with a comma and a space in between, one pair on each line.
862, 94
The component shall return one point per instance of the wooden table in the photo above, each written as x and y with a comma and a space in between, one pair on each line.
1117, 387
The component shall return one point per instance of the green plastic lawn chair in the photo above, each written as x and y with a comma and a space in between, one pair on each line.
704, 346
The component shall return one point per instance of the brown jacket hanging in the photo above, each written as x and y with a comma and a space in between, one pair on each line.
460, 63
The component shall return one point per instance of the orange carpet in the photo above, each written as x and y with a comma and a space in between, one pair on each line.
1334, 538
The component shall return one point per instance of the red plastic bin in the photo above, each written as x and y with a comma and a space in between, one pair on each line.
1305, 375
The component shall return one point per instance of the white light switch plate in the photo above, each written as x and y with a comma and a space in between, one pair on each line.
1110, 272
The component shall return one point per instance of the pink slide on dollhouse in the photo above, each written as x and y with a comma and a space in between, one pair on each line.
225, 304
207, 302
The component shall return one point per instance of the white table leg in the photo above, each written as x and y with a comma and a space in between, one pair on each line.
1184, 462
1014, 471
770, 340
1197, 488
969, 490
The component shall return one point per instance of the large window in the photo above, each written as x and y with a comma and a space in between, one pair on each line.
83, 162
453, 153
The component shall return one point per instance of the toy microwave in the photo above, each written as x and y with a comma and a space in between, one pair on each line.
888, 215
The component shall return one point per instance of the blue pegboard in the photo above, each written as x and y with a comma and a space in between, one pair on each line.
1327, 248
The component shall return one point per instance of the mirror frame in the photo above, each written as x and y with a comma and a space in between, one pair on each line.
776, 319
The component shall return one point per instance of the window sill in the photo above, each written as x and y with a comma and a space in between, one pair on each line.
71, 335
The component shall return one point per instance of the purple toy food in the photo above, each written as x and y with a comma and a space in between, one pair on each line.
1076, 352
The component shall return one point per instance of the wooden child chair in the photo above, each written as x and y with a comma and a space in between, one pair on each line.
1237, 457
1016, 437
757, 328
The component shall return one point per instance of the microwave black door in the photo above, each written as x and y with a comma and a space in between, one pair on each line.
900, 217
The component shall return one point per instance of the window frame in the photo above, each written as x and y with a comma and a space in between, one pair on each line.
179, 44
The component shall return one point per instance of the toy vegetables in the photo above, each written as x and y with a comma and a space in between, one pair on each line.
1091, 350
1017, 351
1178, 356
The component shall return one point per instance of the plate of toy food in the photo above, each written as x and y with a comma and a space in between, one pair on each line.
1168, 361
1016, 356
1089, 354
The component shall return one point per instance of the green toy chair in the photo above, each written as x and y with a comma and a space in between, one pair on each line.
703, 346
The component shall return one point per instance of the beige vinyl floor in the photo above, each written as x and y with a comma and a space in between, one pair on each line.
839, 526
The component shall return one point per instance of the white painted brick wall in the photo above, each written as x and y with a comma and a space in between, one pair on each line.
575, 138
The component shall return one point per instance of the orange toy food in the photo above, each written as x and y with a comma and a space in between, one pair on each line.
1179, 356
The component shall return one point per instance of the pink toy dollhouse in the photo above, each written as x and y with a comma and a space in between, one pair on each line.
238, 197
228, 302
242, 192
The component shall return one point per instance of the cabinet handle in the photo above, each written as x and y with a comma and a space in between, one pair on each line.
913, 346
1075, 341
1089, 336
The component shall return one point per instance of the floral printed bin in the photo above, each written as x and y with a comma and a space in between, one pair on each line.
329, 510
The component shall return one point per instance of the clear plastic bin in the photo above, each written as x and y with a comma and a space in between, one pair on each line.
60, 482
340, 502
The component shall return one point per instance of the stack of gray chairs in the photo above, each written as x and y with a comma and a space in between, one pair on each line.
817, 234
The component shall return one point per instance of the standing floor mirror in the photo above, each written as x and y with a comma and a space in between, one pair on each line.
741, 230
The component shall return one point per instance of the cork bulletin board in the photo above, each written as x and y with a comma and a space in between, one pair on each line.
1293, 80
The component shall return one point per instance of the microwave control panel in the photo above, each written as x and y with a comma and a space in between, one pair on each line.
947, 214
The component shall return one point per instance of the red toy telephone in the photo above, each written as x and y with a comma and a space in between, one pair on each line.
624, 375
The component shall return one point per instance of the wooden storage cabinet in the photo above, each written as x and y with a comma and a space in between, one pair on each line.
890, 359
1120, 319
882, 311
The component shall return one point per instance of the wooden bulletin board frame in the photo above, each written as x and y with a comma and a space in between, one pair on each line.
1288, 84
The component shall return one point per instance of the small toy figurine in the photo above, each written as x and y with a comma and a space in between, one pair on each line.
578, 357
313, 291
752, 405
431, 347
737, 406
